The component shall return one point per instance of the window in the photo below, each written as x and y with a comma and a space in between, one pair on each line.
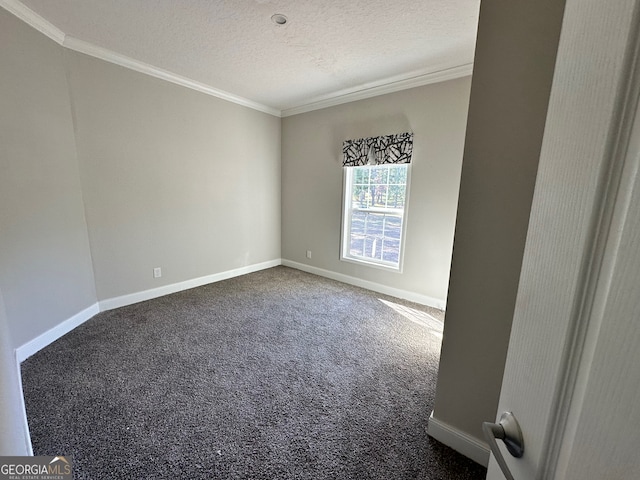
375, 198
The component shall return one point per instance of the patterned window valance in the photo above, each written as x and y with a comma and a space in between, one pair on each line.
395, 148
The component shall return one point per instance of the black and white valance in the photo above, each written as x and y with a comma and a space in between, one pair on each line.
396, 148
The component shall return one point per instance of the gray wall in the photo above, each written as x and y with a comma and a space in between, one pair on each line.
513, 69
172, 178
45, 263
312, 181
169, 177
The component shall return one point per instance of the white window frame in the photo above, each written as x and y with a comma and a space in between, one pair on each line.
347, 209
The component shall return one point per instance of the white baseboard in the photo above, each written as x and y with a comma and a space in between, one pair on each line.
31, 347
461, 442
376, 287
25, 351
25, 422
131, 298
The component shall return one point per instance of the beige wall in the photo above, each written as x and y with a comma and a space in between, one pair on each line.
513, 69
172, 178
312, 181
45, 263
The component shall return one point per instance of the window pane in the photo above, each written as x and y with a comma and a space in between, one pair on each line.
375, 236
360, 175
376, 197
380, 175
393, 231
398, 175
396, 197
359, 196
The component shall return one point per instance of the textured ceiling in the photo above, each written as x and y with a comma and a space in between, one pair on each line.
327, 48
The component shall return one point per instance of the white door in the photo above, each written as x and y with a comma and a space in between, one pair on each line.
572, 377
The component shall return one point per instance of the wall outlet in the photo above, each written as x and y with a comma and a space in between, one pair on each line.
308, 253
157, 272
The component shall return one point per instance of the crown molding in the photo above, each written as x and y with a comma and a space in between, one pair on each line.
110, 56
31, 18
392, 85
361, 92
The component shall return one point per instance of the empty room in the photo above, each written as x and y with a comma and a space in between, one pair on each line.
318, 240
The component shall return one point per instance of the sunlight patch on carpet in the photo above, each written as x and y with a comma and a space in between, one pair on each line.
423, 319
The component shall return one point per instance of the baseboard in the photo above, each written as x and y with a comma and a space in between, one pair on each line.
31, 347
25, 351
460, 441
376, 287
25, 422
129, 299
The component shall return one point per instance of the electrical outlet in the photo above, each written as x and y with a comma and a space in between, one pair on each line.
157, 272
308, 253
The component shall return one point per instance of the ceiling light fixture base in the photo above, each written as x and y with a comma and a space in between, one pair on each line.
279, 19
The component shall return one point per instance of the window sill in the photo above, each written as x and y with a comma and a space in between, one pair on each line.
380, 266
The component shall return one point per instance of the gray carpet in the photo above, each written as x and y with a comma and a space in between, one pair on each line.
274, 375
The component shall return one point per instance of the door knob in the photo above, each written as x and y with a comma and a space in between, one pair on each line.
508, 430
